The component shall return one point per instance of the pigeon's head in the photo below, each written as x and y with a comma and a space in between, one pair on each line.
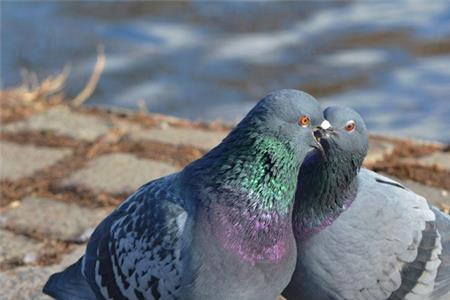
289, 116
343, 134
326, 175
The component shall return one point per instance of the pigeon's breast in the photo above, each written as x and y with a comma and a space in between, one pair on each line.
253, 235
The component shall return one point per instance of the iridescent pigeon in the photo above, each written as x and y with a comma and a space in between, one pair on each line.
361, 235
219, 229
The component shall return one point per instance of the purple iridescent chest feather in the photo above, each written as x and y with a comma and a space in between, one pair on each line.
306, 226
251, 233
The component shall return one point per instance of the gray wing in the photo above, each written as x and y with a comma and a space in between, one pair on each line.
442, 282
135, 252
385, 246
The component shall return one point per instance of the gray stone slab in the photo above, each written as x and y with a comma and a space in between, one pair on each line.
19, 161
52, 219
439, 159
24, 283
118, 173
378, 150
27, 282
62, 121
70, 258
181, 136
18, 247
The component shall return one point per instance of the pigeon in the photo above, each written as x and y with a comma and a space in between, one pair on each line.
361, 235
221, 228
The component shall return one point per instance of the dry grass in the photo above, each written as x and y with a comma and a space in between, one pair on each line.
33, 95
93, 80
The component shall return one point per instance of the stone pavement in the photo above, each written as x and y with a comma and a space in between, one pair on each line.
63, 169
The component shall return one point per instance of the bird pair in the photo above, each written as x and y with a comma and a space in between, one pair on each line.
280, 206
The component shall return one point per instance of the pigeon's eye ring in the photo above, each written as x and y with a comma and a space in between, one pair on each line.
304, 121
350, 126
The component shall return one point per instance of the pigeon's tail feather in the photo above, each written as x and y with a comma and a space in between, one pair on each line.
69, 284
442, 283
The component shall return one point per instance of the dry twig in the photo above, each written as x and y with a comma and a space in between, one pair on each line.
93, 81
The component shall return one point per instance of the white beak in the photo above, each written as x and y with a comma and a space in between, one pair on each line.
325, 125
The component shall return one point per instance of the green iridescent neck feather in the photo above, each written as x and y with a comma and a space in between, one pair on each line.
261, 166
269, 173
326, 188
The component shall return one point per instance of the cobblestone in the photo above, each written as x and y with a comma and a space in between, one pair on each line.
62, 121
181, 136
17, 247
27, 282
118, 173
52, 219
70, 258
24, 283
19, 161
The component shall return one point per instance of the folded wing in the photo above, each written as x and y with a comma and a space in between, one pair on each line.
135, 252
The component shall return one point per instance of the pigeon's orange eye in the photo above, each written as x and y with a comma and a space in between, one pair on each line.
350, 126
304, 121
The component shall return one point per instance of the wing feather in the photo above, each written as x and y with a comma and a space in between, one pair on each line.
386, 230
135, 252
442, 283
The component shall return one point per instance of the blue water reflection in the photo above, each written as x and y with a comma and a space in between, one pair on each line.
209, 60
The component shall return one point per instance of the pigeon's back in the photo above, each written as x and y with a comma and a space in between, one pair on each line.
386, 245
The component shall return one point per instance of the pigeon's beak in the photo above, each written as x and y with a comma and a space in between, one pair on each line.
322, 132
325, 125
318, 133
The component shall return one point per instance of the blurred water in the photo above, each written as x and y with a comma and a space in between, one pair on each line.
209, 60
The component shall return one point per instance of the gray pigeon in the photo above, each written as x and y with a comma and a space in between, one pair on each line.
219, 229
361, 235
